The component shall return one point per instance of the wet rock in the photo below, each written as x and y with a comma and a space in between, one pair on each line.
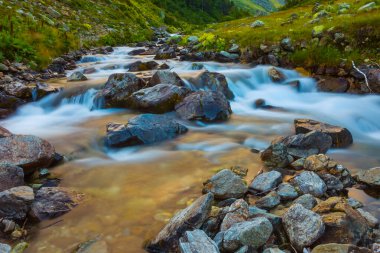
310, 182
26, 151
225, 57
19, 90
188, 219
58, 65
333, 84
373, 76
316, 162
287, 191
165, 53
237, 212
273, 250
276, 75
5, 248
42, 90
225, 184
143, 129
371, 220
234, 49
331, 204
15, 202
197, 241
76, 76
212, 81
303, 226
142, 66
160, 98
370, 177
341, 137
204, 105
52, 202
137, 51
354, 203
254, 233
276, 156
339, 248
334, 185
8, 104
287, 45
10, 176
4, 132
166, 76
269, 201
307, 201
119, 87
93, 246
266, 181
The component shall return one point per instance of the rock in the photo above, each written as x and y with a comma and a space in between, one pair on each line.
339, 248
204, 105
20, 247
160, 98
334, 185
316, 162
164, 66
373, 76
234, 49
188, 219
8, 104
335, 204
137, 51
52, 202
254, 233
142, 66
303, 226
93, 246
372, 221
333, 84
4, 132
42, 90
53, 13
15, 202
341, 137
310, 182
77, 76
143, 129
269, 201
304, 145
165, 53
225, 57
355, 204
193, 39
287, 191
19, 90
166, 76
3, 67
237, 212
286, 44
118, 88
10, 176
276, 156
370, 177
307, 201
225, 184
367, 7
273, 250
298, 164
26, 151
212, 81
197, 241
266, 181
276, 75
257, 23
5, 248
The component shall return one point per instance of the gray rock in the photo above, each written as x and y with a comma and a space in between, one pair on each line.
287, 191
166, 76
15, 202
165, 53
307, 201
224, 56
273, 250
218, 239
237, 212
142, 66
188, 219
160, 98
143, 129
367, 7
370, 177
354, 203
303, 226
286, 44
5, 248
254, 233
269, 201
373, 76
77, 76
197, 241
10, 176
254, 210
225, 184
3, 67
212, 81
372, 221
244, 249
334, 185
4, 132
207, 106
310, 182
257, 23
276, 75
266, 181
276, 156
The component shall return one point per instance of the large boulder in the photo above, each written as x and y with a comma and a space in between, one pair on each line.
26, 151
310, 182
15, 202
8, 104
142, 66
197, 241
370, 177
52, 202
118, 89
160, 98
212, 81
374, 80
333, 84
166, 76
10, 176
266, 181
340, 136
188, 219
339, 248
4, 132
77, 76
225, 184
165, 53
19, 90
303, 226
204, 105
143, 129
254, 233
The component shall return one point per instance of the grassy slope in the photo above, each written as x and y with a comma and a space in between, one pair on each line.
365, 43
254, 7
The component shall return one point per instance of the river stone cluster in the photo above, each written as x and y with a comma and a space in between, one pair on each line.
300, 204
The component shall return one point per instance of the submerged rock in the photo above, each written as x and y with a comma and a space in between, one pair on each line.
197, 241
10, 176
143, 129
160, 98
340, 136
303, 226
166, 76
225, 184
204, 105
188, 219
266, 181
212, 81
15, 202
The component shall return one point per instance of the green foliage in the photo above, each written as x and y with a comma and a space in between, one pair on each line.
209, 41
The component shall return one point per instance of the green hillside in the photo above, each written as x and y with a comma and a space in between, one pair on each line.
259, 7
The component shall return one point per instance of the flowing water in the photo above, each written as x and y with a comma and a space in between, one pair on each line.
131, 192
